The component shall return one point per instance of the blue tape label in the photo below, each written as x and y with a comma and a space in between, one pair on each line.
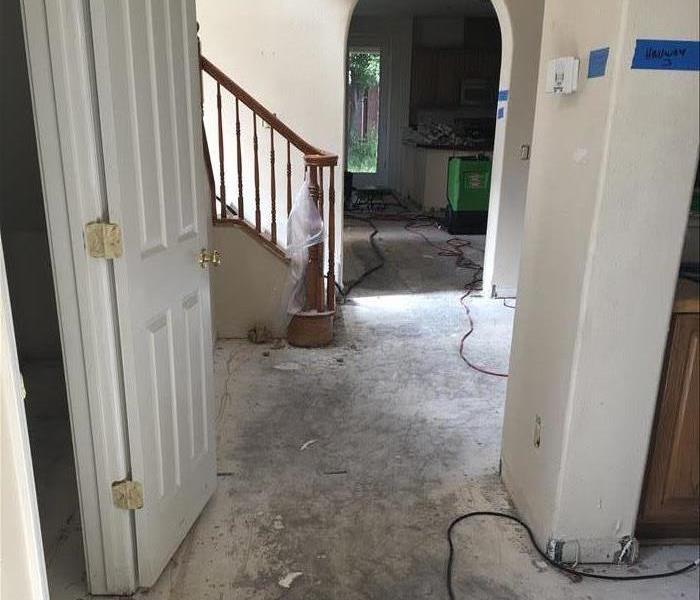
597, 62
501, 112
502, 95
667, 55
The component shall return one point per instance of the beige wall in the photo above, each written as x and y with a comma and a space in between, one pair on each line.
248, 286
521, 31
607, 204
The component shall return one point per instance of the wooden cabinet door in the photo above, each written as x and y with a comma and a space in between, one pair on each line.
671, 500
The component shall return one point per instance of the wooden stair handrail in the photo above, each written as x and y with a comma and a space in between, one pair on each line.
318, 156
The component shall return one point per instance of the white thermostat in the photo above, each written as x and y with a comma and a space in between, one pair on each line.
562, 75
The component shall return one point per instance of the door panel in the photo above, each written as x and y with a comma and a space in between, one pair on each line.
148, 89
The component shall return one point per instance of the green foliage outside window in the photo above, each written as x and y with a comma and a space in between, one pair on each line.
363, 76
362, 154
364, 69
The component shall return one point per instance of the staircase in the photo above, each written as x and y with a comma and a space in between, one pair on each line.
233, 163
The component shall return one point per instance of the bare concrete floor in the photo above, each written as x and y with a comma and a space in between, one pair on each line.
341, 468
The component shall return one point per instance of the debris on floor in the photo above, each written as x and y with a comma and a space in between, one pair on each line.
288, 366
289, 578
305, 445
259, 334
278, 344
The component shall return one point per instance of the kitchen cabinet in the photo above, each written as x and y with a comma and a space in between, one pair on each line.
670, 505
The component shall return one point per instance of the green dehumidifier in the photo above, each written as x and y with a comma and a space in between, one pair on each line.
468, 188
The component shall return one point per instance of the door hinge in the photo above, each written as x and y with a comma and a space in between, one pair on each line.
127, 494
103, 240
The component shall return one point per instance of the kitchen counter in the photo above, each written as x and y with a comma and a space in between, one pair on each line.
424, 172
687, 297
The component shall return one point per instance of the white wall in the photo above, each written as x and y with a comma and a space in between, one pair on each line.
521, 30
607, 204
395, 35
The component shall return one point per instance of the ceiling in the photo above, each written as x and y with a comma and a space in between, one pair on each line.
477, 8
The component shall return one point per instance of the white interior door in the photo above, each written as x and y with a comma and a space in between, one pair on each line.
147, 75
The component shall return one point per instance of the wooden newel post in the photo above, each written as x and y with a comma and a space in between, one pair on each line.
314, 287
330, 283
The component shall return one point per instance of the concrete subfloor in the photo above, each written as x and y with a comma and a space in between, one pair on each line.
346, 464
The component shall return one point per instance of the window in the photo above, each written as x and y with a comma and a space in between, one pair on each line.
364, 75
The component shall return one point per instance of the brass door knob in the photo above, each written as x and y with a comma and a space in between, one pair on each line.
212, 257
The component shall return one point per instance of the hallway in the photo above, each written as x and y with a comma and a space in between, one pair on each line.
345, 465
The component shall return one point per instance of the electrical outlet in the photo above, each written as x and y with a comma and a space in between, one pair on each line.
537, 438
525, 152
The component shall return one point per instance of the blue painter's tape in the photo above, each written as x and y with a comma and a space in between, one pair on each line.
667, 55
501, 112
502, 95
597, 62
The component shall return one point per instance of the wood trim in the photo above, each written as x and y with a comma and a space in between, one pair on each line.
210, 172
321, 160
258, 236
669, 504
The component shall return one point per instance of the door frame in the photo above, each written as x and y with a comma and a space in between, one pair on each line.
19, 490
367, 41
58, 43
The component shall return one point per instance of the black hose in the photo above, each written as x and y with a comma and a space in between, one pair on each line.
355, 282
557, 565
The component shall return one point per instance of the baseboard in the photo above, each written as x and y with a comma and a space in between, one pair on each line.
623, 550
594, 550
504, 292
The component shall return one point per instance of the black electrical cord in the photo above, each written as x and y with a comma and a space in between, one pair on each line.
346, 292
557, 565
452, 248
456, 249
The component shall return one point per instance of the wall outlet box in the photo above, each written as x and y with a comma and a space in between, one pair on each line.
562, 75
537, 437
